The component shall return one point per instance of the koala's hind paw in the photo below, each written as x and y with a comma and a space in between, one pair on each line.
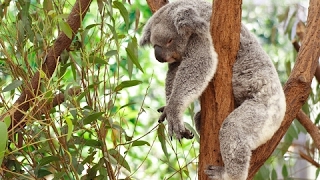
214, 172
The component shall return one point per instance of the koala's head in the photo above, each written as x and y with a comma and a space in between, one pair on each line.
170, 29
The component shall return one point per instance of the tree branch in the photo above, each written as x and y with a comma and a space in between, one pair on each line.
297, 87
310, 127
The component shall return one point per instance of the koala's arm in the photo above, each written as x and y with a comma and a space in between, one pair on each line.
171, 74
192, 77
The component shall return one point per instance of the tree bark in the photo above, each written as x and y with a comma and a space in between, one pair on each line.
217, 100
156, 4
297, 87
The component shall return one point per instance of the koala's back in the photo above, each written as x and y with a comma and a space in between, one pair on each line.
204, 9
256, 83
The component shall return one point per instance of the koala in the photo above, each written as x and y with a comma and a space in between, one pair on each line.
180, 35
179, 32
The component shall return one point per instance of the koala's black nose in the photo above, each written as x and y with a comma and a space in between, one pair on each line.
158, 53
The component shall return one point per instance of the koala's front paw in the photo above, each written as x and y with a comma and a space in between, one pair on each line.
214, 172
174, 125
161, 109
179, 130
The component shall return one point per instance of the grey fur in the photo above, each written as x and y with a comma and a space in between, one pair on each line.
259, 98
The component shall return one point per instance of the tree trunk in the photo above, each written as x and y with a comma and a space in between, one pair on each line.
217, 100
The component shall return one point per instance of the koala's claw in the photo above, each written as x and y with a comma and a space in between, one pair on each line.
161, 109
163, 115
187, 134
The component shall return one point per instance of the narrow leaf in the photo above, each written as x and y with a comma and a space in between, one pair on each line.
115, 154
111, 53
4, 139
92, 117
162, 139
140, 143
123, 11
47, 160
132, 53
66, 29
97, 60
12, 86
125, 84
70, 127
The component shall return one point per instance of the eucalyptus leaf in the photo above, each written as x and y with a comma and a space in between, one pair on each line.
12, 86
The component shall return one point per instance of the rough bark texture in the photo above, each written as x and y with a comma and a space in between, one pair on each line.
24, 101
217, 101
297, 87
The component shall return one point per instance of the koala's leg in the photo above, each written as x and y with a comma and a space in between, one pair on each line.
235, 152
238, 136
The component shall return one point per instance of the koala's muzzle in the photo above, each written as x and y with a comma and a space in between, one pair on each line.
158, 53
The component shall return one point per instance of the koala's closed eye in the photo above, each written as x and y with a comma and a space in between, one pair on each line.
169, 42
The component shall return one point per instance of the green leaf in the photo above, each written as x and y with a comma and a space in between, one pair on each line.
92, 117
114, 33
132, 53
42, 173
111, 53
66, 29
47, 160
93, 143
70, 127
125, 84
91, 26
7, 121
116, 155
12, 86
274, 175
123, 11
162, 139
3, 140
97, 60
140, 143
285, 171
47, 6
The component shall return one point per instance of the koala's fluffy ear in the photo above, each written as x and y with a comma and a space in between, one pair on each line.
146, 34
188, 21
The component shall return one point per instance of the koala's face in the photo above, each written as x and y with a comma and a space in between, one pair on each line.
169, 45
